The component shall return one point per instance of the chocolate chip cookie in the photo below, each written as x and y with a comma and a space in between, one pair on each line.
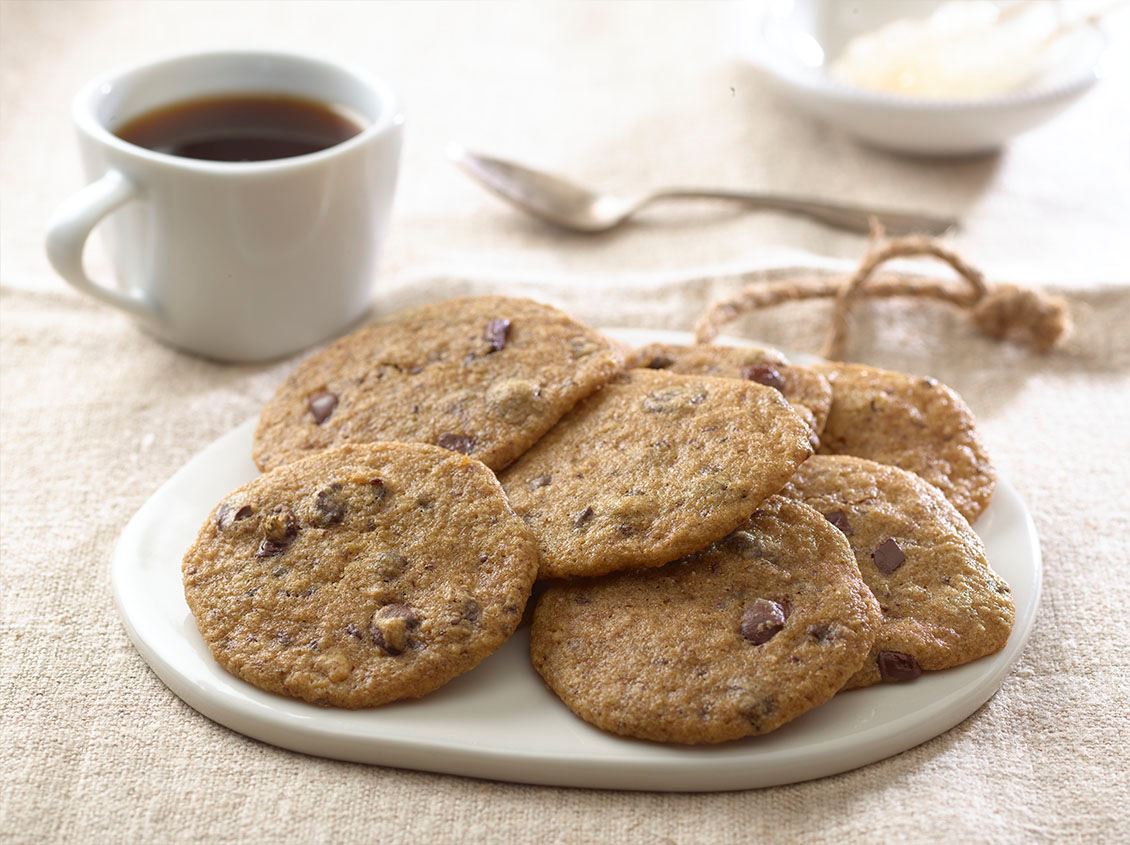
730, 642
485, 376
942, 605
915, 423
807, 391
653, 467
361, 575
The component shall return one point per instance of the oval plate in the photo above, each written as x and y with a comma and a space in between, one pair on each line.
500, 721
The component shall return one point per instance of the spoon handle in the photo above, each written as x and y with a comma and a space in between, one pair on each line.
853, 218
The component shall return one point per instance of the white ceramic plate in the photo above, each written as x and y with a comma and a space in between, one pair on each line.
499, 721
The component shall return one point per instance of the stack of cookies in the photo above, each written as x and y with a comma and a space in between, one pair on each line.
721, 540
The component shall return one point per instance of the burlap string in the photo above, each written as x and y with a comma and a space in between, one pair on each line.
1003, 312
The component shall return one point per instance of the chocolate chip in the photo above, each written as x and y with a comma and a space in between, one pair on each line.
764, 374
496, 333
456, 442
762, 620
280, 524
660, 362
888, 556
378, 488
390, 643
839, 520
321, 405
744, 545
540, 481
281, 527
822, 633
329, 506
270, 548
390, 627
583, 517
897, 666
399, 611
226, 515
354, 631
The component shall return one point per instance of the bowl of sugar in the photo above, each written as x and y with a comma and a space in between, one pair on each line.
951, 78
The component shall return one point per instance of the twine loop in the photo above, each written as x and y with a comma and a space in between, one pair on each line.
1003, 312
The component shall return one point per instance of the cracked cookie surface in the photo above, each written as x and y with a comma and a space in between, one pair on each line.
730, 642
942, 605
361, 575
653, 467
809, 392
485, 376
918, 424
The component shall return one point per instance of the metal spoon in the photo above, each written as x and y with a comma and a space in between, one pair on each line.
570, 206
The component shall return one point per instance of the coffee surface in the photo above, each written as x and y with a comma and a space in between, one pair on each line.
240, 127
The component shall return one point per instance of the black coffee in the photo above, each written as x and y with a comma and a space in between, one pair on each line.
240, 127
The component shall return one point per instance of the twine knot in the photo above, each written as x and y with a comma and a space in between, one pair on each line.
1009, 312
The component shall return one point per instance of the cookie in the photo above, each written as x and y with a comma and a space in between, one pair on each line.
653, 467
485, 376
807, 391
942, 605
730, 642
361, 575
915, 423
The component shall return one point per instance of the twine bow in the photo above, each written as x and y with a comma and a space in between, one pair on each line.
1002, 312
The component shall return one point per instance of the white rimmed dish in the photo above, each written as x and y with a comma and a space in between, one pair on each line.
500, 721
794, 42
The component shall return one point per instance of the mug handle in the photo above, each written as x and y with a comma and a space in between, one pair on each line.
72, 224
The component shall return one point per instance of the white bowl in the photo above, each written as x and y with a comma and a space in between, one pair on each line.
796, 41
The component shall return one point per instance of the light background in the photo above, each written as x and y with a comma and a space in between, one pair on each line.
619, 95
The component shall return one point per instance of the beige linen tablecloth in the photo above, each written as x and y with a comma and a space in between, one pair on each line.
95, 417
96, 749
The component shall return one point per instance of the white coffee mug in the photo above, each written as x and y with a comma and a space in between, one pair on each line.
243, 261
